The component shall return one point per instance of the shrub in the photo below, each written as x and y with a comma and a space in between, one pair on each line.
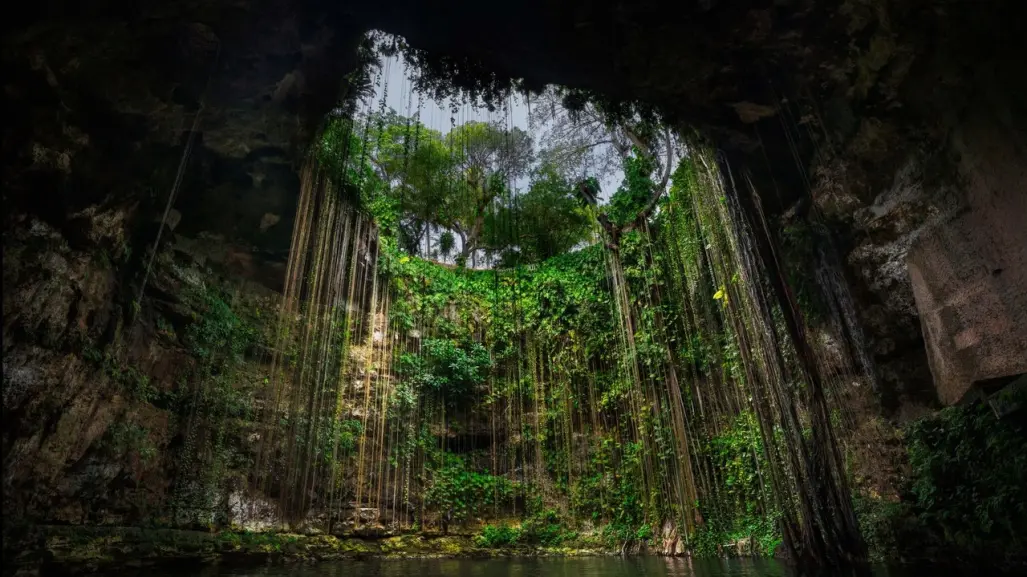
457, 491
967, 486
545, 528
492, 536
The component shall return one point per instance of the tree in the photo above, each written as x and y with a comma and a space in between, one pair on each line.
545, 221
575, 144
452, 194
340, 155
447, 183
424, 188
587, 135
488, 157
407, 168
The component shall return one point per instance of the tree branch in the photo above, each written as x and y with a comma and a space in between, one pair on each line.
669, 141
623, 148
381, 168
658, 191
637, 141
612, 232
474, 234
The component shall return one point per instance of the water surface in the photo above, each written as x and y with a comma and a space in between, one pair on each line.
573, 567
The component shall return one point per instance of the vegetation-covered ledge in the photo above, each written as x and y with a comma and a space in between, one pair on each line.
80, 549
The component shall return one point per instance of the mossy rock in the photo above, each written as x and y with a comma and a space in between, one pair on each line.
89, 549
405, 544
358, 546
452, 545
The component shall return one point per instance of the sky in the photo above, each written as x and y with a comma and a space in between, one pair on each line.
399, 96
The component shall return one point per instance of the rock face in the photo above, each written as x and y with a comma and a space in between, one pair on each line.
95, 388
960, 182
972, 313
104, 110
101, 106
969, 272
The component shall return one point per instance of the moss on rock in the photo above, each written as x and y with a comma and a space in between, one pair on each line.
72, 549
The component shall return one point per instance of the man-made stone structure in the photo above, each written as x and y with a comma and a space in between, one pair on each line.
969, 273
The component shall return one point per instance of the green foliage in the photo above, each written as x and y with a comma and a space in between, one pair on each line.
446, 369
348, 433
737, 455
497, 536
574, 349
635, 192
878, 518
414, 180
545, 221
545, 527
569, 308
742, 510
457, 493
447, 242
341, 156
218, 333
761, 532
417, 182
611, 495
216, 400
964, 498
131, 440
133, 382
967, 488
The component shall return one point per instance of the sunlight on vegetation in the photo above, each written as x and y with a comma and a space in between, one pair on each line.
588, 360
474, 337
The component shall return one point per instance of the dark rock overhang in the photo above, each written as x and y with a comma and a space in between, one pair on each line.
773, 83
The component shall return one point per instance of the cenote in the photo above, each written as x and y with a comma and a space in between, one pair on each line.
713, 288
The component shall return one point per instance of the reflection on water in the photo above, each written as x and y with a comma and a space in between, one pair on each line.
577, 567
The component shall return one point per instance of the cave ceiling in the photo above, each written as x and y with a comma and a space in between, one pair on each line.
843, 102
719, 65
88, 84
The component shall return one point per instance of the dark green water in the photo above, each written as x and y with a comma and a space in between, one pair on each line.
577, 567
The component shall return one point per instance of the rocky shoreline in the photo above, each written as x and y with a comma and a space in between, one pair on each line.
72, 550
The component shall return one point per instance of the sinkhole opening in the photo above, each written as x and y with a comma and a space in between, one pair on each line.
486, 179
543, 313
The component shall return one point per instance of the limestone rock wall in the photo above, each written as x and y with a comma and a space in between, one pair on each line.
969, 272
98, 391
100, 105
924, 167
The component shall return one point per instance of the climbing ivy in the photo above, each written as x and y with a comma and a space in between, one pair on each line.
743, 512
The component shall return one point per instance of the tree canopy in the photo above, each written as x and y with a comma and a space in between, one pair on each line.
491, 194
